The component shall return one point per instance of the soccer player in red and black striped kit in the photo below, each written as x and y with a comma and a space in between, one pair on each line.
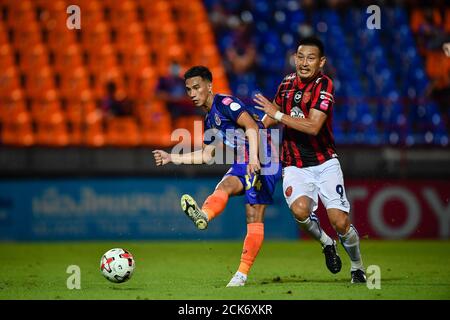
303, 104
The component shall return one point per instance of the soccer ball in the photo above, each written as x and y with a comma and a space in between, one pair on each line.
117, 265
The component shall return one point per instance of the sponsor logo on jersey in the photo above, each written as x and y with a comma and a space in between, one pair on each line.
227, 100
324, 105
298, 96
296, 112
217, 119
235, 106
306, 97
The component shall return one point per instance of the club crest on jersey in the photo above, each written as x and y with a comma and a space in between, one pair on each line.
296, 112
217, 119
306, 97
298, 96
288, 191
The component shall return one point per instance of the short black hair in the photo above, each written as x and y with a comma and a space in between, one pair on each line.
313, 41
198, 71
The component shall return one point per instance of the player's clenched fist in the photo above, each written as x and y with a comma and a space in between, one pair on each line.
161, 157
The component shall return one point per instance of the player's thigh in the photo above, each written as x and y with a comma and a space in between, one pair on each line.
331, 187
231, 185
255, 212
299, 188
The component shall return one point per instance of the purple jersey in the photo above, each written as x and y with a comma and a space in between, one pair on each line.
221, 123
222, 119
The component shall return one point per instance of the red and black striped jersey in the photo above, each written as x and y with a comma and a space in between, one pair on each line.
297, 98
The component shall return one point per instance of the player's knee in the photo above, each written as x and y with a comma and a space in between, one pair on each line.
301, 209
255, 213
341, 223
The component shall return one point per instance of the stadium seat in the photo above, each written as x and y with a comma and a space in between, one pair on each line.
67, 59
34, 59
93, 135
73, 82
194, 125
9, 80
122, 132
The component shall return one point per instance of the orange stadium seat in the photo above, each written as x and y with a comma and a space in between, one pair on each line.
123, 14
26, 36
18, 131
102, 59
3, 34
59, 38
16, 121
6, 56
67, 59
20, 13
142, 86
122, 132
12, 104
193, 124
73, 82
101, 80
80, 110
34, 59
8, 80
95, 36
129, 37
156, 131
135, 60
92, 14
39, 82
94, 136
51, 128
52, 134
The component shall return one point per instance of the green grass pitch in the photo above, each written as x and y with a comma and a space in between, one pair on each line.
201, 269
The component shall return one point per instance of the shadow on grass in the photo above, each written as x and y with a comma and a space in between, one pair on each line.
299, 279
126, 289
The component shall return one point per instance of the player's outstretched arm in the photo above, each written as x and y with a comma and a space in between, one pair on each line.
197, 157
310, 125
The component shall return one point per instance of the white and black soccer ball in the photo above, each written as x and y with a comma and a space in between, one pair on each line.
117, 265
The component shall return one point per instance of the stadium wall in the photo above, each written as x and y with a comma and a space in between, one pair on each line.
148, 208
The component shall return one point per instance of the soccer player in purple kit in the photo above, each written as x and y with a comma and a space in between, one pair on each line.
311, 169
240, 128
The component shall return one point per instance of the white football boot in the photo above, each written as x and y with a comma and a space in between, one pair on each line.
238, 280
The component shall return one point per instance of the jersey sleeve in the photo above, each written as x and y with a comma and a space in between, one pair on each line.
323, 99
278, 95
231, 107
